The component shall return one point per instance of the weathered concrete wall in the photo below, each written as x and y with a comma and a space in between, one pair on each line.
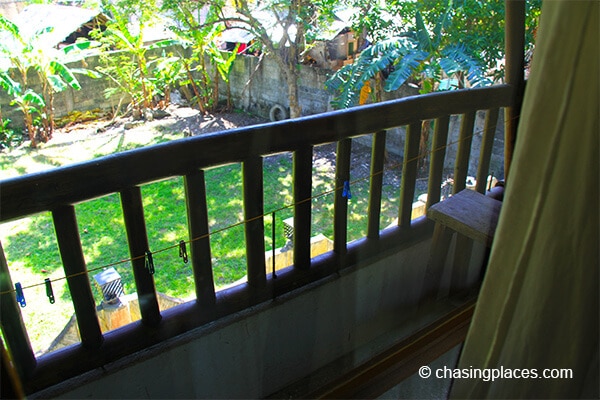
256, 85
90, 97
262, 350
396, 137
259, 84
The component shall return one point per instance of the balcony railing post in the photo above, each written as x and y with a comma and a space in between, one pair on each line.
465, 139
514, 32
487, 145
302, 170
254, 228
13, 327
71, 253
436, 162
409, 173
342, 174
376, 183
133, 213
197, 216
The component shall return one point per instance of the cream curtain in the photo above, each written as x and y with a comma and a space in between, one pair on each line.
539, 303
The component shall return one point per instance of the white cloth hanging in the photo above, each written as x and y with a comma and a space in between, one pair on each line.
539, 303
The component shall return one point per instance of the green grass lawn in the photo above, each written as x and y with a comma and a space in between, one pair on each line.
33, 255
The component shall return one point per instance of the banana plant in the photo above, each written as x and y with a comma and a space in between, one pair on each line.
26, 54
418, 55
200, 38
223, 62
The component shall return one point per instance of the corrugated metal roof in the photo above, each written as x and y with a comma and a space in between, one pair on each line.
64, 20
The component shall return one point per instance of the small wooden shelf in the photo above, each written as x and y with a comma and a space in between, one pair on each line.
470, 213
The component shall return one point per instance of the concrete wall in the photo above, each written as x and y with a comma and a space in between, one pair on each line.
256, 85
396, 137
264, 349
259, 351
90, 97
259, 84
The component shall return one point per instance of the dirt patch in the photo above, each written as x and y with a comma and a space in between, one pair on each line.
84, 141
177, 122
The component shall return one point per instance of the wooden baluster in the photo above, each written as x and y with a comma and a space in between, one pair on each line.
13, 327
254, 228
376, 184
197, 216
302, 171
487, 145
465, 138
342, 174
69, 244
464, 245
409, 173
436, 163
135, 224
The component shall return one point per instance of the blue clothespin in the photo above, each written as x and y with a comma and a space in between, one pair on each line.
346, 191
149, 262
49, 291
20, 296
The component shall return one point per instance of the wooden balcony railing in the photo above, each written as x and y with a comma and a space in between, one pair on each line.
58, 190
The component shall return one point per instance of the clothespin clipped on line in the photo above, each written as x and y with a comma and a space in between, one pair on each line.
183, 251
346, 190
149, 262
20, 296
49, 291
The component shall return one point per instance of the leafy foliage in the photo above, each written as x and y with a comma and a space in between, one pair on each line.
476, 24
421, 54
9, 137
27, 54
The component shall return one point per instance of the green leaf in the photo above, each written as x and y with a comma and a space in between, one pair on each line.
65, 74
456, 58
442, 24
164, 43
90, 73
80, 46
33, 98
423, 35
8, 25
9, 85
57, 84
404, 69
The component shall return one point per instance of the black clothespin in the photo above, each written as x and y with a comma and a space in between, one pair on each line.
149, 262
183, 251
49, 291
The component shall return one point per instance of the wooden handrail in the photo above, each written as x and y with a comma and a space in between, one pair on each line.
43, 191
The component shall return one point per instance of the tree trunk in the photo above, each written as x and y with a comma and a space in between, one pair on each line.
291, 76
